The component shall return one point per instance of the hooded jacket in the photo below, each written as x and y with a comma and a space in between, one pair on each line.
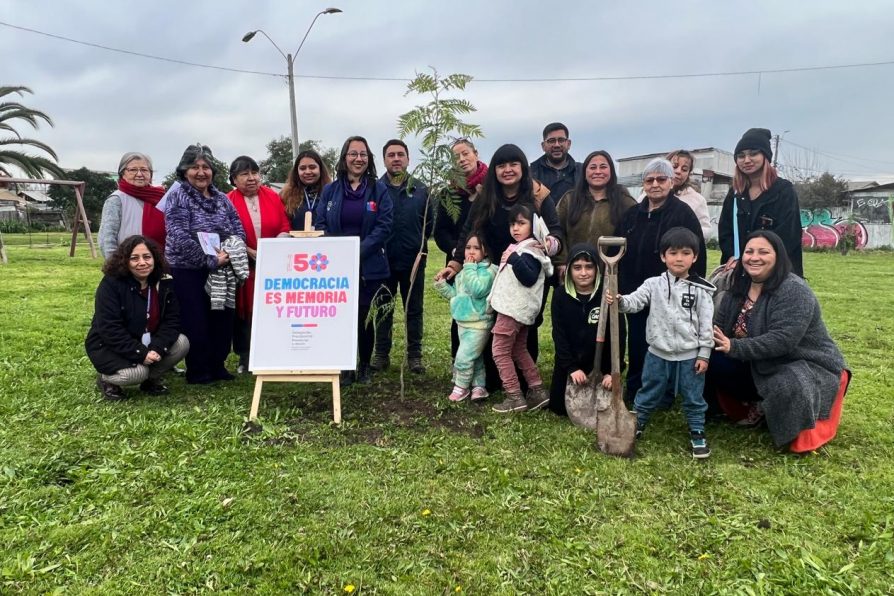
575, 318
776, 209
681, 314
468, 294
409, 200
518, 287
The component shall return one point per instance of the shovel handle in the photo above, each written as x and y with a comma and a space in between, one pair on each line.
608, 241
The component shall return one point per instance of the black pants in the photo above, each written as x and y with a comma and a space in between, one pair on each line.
413, 314
210, 332
371, 292
242, 339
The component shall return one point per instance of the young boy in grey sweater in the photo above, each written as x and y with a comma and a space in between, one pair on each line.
679, 334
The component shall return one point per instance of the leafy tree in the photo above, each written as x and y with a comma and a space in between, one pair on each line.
98, 186
821, 191
276, 167
436, 123
221, 176
34, 166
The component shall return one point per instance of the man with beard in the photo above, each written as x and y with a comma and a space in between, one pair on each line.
556, 169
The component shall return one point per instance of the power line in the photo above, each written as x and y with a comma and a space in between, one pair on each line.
839, 156
482, 80
141, 55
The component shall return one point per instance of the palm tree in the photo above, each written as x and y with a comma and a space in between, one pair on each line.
34, 166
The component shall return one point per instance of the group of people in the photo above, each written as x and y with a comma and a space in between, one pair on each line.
510, 232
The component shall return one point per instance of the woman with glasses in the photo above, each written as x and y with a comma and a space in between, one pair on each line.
358, 204
263, 216
759, 200
201, 221
131, 209
643, 227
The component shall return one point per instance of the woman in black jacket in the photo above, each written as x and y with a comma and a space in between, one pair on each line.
135, 335
643, 227
761, 200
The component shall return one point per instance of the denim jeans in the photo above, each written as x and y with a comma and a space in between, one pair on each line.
468, 366
659, 374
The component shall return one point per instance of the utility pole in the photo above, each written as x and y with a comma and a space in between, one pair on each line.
775, 149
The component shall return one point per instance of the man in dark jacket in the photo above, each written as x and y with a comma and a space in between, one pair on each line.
556, 169
406, 251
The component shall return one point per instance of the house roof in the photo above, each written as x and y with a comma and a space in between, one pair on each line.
853, 185
36, 195
7, 195
663, 153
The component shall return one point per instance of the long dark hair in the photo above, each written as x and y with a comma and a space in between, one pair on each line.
118, 263
742, 281
292, 193
492, 191
341, 168
582, 201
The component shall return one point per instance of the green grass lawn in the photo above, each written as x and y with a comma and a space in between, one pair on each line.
417, 495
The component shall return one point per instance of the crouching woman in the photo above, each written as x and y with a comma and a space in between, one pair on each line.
135, 335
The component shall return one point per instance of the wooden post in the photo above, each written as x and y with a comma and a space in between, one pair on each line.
81, 216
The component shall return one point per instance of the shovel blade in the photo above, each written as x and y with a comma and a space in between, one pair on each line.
616, 429
584, 403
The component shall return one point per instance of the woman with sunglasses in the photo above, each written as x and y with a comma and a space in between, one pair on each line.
643, 227
759, 200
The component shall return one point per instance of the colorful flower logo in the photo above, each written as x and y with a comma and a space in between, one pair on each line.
319, 262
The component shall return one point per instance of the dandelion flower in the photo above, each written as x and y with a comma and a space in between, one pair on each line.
426, 512
349, 588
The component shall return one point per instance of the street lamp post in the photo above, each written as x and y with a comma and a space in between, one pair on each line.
290, 70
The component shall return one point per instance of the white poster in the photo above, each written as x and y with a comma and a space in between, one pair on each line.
305, 304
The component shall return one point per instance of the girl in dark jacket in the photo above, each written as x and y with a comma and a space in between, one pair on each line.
303, 188
761, 200
358, 204
135, 335
643, 227
575, 315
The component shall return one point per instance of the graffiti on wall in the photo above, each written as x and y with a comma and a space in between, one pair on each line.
820, 230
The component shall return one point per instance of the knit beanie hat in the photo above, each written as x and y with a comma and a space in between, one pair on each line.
757, 139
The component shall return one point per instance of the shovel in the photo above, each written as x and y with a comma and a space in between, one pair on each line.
584, 402
616, 426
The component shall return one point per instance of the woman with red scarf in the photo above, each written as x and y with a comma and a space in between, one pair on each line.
447, 230
130, 210
263, 216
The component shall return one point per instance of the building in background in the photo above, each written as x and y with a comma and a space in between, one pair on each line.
712, 172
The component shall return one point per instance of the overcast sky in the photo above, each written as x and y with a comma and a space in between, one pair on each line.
106, 103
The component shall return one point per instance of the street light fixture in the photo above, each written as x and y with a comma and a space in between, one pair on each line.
290, 63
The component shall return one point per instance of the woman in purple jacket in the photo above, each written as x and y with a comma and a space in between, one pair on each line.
358, 204
193, 208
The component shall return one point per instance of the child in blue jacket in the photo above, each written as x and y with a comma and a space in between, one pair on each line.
468, 307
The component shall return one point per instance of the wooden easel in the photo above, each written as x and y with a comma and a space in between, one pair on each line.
299, 376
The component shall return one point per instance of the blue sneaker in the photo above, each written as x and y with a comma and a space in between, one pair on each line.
700, 449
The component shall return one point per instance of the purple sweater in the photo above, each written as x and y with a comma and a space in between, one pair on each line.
189, 212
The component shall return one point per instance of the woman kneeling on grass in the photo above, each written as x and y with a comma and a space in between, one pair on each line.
774, 357
135, 335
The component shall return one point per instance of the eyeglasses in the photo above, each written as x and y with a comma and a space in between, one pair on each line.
356, 154
143, 171
747, 153
556, 141
653, 179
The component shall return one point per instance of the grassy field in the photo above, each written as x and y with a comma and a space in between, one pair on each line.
416, 495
